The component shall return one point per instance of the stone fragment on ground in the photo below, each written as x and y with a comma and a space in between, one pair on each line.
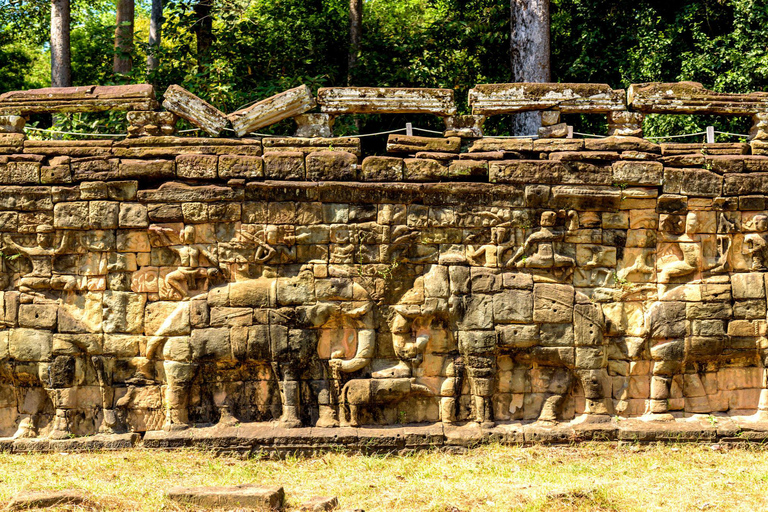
44, 499
236, 496
319, 504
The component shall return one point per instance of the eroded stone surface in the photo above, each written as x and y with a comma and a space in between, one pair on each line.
236, 496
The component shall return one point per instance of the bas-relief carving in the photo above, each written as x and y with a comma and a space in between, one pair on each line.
213, 309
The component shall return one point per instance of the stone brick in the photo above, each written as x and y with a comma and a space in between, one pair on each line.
331, 166
237, 166
197, 167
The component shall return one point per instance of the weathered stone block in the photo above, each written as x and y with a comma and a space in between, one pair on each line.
246, 495
237, 166
331, 166
382, 168
147, 169
198, 167
30, 344
552, 303
71, 215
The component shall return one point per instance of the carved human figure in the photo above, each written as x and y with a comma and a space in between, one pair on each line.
40, 256
191, 274
539, 249
681, 255
755, 243
725, 230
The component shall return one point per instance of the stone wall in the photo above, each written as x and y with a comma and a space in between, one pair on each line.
165, 282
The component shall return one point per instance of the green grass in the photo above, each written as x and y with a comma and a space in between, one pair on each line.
588, 476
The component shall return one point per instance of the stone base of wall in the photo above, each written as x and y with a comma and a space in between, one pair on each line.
265, 439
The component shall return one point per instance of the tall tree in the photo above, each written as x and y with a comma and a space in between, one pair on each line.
203, 32
155, 34
122, 62
61, 57
529, 52
355, 35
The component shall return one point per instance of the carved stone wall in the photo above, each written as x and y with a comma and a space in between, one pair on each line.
166, 282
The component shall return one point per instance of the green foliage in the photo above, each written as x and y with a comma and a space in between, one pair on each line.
261, 47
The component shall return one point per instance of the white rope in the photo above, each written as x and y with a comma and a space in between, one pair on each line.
426, 131
589, 135
677, 136
77, 133
732, 134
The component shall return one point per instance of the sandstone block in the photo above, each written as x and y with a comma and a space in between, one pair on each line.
411, 144
638, 173
281, 106
198, 167
386, 100
147, 169
237, 166
30, 344
38, 316
284, 165
103, 214
133, 215
71, 215
331, 166
195, 110
382, 168
552, 303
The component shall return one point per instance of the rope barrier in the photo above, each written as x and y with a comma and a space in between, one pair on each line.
426, 131
677, 136
43, 130
732, 134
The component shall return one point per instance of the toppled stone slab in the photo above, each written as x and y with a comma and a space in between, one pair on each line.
272, 110
319, 504
195, 110
88, 98
45, 499
692, 98
386, 100
568, 98
235, 496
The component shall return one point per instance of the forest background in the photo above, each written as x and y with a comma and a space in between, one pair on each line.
261, 47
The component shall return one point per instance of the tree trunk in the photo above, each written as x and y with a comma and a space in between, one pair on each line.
61, 59
155, 34
529, 52
123, 37
355, 35
203, 32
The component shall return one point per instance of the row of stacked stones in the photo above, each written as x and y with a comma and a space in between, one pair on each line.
165, 281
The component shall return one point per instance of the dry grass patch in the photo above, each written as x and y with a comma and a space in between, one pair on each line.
590, 476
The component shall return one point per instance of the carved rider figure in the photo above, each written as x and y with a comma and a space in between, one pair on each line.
539, 250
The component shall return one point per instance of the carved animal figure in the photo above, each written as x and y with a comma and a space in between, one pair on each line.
553, 325
294, 333
691, 337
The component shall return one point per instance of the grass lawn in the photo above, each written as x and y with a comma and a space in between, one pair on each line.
588, 476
